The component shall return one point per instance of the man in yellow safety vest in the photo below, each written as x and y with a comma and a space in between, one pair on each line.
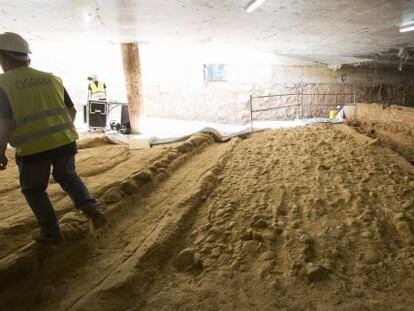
36, 118
96, 88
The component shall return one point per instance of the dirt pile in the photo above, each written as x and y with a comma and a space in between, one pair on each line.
304, 219
99, 167
93, 142
313, 218
141, 170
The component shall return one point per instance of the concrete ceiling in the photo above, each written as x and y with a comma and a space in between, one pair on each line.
325, 31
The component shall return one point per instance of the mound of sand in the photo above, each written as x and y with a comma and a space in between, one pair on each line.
311, 218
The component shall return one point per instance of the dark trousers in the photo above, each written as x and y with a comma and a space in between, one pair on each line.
34, 179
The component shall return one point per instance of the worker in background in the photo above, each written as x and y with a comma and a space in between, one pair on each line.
96, 89
36, 118
340, 113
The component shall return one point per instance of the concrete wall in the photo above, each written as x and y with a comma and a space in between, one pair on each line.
392, 125
174, 86
229, 101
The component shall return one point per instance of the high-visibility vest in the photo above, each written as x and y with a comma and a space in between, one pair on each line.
97, 90
37, 102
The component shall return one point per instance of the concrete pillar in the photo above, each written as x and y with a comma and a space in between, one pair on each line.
132, 72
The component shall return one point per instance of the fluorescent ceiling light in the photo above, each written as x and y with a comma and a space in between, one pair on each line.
407, 28
254, 5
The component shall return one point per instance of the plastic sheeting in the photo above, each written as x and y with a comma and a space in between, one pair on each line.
220, 135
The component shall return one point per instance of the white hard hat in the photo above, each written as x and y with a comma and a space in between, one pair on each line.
338, 107
12, 42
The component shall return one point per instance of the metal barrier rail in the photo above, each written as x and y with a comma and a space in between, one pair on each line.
299, 104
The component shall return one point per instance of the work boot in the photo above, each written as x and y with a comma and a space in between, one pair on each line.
96, 215
39, 236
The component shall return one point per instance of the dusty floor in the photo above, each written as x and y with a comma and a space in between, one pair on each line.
308, 218
99, 168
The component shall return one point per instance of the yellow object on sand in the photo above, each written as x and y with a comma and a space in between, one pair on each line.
333, 114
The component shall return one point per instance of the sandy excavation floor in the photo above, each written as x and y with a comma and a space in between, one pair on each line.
99, 167
310, 218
